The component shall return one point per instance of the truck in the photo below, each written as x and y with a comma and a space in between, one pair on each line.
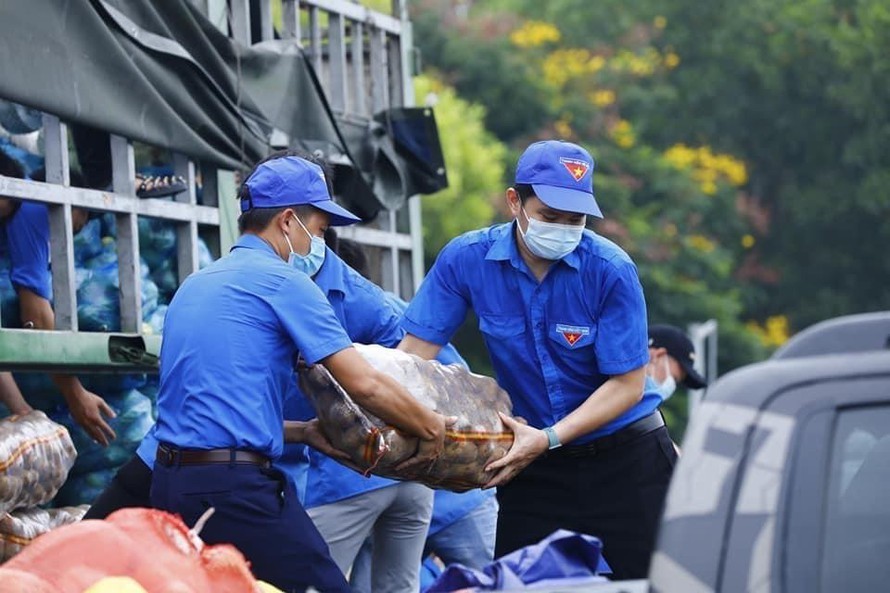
211, 86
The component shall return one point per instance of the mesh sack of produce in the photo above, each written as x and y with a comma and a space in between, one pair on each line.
157, 241
205, 258
154, 323
134, 418
478, 435
166, 279
88, 242
18, 528
98, 300
150, 390
35, 457
156, 550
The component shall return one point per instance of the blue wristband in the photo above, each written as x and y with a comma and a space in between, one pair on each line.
552, 439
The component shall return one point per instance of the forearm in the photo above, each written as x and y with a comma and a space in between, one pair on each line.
414, 345
614, 397
387, 399
11, 396
294, 431
37, 313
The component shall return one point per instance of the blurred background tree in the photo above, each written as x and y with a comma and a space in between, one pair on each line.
743, 149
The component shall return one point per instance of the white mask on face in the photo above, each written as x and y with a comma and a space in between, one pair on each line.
667, 387
550, 240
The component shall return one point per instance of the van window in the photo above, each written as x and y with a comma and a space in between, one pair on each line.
856, 542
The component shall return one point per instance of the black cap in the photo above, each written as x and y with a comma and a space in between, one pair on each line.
679, 347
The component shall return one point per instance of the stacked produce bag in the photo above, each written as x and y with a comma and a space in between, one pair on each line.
133, 551
35, 457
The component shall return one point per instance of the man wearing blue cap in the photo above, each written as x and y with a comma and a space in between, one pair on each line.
563, 316
233, 334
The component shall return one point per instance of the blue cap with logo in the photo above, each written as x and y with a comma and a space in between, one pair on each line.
292, 181
561, 174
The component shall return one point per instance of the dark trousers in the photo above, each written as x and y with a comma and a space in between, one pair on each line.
616, 495
130, 487
258, 512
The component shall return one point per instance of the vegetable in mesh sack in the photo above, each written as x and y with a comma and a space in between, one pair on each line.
35, 457
478, 435
85, 488
98, 301
154, 323
88, 242
20, 527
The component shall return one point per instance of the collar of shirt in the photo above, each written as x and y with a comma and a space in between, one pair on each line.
504, 248
331, 276
251, 241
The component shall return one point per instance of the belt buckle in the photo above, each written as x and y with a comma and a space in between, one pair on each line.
169, 456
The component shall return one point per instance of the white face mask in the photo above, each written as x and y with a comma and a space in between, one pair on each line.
551, 240
310, 263
667, 387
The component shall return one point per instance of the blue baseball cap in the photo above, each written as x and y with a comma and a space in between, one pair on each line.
292, 181
561, 174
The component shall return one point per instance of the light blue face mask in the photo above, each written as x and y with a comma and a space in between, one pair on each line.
666, 388
550, 240
310, 263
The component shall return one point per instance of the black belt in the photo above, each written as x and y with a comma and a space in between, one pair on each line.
631, 432
168, 456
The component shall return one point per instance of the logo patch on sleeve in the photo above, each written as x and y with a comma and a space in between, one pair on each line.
572, 333
577, 169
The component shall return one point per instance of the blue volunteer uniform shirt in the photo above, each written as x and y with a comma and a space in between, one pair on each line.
552, 343
363, 311
24, 241
231, 339
368, 318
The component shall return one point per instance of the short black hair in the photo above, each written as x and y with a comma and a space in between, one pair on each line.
525, 191
354, 255
257, 219
331, 239
9, 167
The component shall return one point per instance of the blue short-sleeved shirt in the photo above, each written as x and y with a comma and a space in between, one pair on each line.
552, 343
24, 239
231, 340
368, 318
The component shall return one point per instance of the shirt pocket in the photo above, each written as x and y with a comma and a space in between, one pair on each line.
574, 337
502, 326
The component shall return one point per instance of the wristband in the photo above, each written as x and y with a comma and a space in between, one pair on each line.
552, 439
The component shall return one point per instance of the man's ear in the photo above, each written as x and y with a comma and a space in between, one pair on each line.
285, 218
513, 201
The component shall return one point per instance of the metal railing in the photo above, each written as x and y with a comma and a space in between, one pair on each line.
361, 59
121, 201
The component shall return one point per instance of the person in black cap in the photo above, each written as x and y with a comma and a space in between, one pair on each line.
672, 360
